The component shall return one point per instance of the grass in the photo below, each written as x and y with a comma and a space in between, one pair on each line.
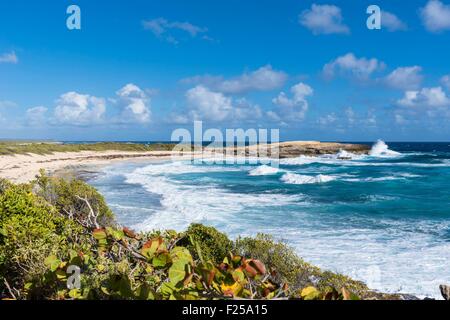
15, 147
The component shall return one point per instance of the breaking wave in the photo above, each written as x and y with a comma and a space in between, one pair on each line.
381, 149
263, 170
294, 178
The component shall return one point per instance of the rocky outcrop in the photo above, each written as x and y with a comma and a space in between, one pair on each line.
314, 148
445, 291
294, 149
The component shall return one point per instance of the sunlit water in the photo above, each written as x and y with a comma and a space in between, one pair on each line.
382, 218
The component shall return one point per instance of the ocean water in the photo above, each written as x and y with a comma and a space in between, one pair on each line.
382, 218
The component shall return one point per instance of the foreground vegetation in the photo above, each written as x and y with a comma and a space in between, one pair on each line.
51, 228
16, 147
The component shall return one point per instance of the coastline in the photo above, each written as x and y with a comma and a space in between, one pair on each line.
81, 165
22, 168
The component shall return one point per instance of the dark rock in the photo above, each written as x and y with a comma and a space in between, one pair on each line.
445, 291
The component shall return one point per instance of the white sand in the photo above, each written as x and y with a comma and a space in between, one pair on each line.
23, 168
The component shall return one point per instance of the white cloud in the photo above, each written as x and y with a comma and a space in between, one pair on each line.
328, 119
426, 97
391, 22
263, 79
436, 16
295, 107
205, 104
135, 104
354, 119
79, 109
400, 119
36, 116
360, 68
162, 28
9, 57
445, 80
208, 105
7, 104
406, 78
323, 19
350, 114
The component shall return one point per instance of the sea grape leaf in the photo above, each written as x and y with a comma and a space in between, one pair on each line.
310, 293
177, 272
52, 262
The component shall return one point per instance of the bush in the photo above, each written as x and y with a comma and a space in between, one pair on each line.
213, 244
292, 270
76, 199
48, 225
279, 258
30, 230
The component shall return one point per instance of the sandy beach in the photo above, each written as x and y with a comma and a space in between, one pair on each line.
21, 168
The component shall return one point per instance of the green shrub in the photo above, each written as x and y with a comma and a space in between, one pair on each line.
51, 224
279, 258
31, 229
292, 270
76, 199
213, 244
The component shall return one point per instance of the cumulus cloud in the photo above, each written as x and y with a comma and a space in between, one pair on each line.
327, 119
391, 22
436, 16
9, 57
36, 116
445, 80
134, 104
7, 104
294, 107
79, 109
350, 115
163, 28
208, 105
205, 104
405, 78
323, 19
349, 64
263, 79
426, 97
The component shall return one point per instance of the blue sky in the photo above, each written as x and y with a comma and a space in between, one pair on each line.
139, 69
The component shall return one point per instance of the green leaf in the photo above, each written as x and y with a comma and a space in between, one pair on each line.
161, 260
310, 293
181, 254
177, 272
52, 262
151, 247
75, 294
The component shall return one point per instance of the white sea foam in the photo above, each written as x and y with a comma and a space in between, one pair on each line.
342, 154
381, 149
263, 170
294, 178
378, 179
411, 254
183, 204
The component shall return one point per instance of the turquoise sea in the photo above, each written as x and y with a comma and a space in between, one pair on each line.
383, 218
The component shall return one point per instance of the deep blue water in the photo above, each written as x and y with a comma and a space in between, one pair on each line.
384, 218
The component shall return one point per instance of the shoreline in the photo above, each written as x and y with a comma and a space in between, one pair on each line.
22, 168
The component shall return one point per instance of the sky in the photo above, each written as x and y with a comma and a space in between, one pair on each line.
137, 70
